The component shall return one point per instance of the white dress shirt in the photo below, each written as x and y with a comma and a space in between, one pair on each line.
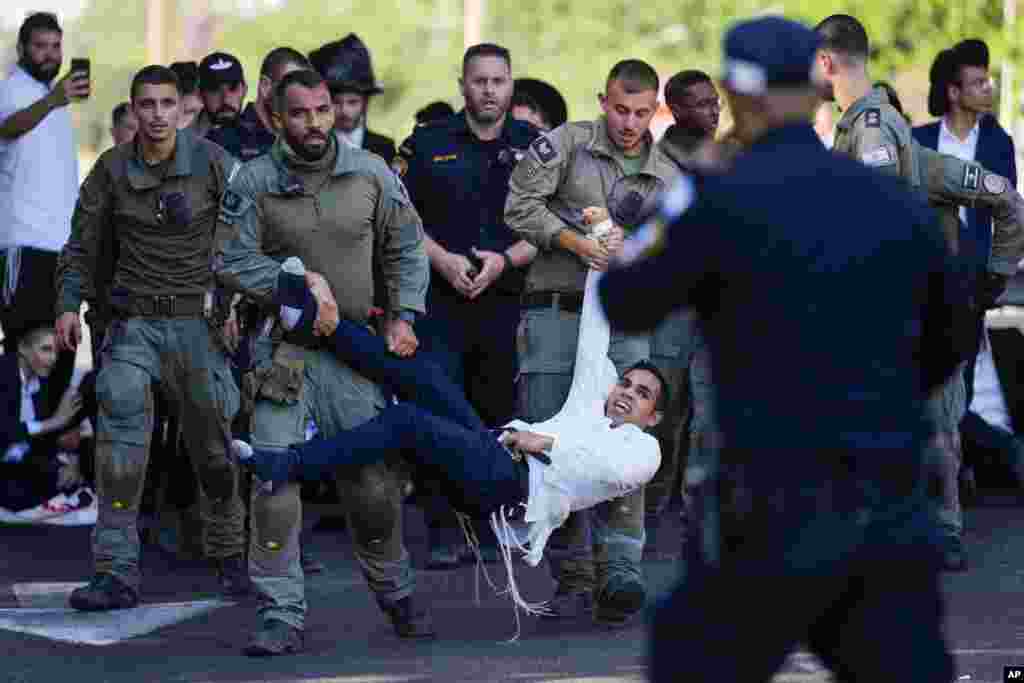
965, 149
988, 401
38, 171
592, 460
29, 387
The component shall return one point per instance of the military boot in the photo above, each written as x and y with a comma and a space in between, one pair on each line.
105, 592
410, 620
621, 598
275, 638
569, 604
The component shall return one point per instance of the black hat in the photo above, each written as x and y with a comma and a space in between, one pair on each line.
345, 65
188, 76
219, 68
547, 97
768, 52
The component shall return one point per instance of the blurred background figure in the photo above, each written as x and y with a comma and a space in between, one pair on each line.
551, 107
345, 65
525, 108
222, 89
191, 103
435, 111
123, 124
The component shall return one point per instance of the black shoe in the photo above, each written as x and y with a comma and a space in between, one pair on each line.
233, 575
105, 592
410, 619
566, 604
954, 557
311, 565
276, 467
275, 638
619, 601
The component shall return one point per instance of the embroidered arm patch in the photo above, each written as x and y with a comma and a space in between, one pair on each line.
880, 156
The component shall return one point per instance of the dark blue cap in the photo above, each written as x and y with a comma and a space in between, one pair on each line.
768, 52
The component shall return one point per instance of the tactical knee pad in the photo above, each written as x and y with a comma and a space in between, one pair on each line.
124, 402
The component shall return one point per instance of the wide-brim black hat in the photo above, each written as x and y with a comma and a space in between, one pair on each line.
346, 66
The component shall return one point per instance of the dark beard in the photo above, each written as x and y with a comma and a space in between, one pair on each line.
474, 114
36, 71
305, 153
224, 116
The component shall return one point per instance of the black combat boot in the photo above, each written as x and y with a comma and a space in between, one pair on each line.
409, 619
275, 638
105, 592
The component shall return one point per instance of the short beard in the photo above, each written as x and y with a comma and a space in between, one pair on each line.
304, 152
36, 72
485, 119
219, 118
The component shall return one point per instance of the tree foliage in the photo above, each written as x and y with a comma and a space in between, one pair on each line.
417, 45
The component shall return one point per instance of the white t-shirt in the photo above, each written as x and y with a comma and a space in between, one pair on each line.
38, 171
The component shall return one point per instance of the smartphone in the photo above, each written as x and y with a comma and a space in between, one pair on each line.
81, 64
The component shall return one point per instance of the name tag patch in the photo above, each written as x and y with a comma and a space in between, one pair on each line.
882, 156
445, 157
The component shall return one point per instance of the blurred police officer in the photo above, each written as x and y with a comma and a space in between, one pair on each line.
191, 103
222, 89
159, 197
570, 169
837, 550
252, 134
345, 65
874, 132
457, 173
346, 215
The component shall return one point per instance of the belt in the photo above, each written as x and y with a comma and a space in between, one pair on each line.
569, 302
165, 306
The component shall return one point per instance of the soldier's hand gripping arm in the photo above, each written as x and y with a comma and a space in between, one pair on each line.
77, 263
534, 182
403, 262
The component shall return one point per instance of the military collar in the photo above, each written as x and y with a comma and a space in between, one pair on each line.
343, 163
141, 177
875, 98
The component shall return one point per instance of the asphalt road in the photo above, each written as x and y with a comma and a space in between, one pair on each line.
348, 640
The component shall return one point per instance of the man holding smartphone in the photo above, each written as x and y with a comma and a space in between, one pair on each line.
38, 159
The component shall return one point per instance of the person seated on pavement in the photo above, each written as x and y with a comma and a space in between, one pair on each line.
38, 451
525, 478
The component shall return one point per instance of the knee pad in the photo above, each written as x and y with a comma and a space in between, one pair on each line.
123, 399
371, 498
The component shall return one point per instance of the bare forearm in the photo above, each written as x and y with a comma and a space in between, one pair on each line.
21, 122
435, 252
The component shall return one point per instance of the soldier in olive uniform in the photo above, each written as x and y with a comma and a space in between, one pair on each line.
346, 216
159, 198
874, 132
565, 171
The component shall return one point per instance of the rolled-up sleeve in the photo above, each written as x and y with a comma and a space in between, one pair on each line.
404, 266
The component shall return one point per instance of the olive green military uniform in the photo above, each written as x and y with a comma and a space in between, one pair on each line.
348, 218
575, 165
874, 132
165, 328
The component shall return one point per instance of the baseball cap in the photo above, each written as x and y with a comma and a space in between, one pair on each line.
219, 68
768, 52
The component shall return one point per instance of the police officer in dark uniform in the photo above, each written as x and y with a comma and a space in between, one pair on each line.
252, 133
345, 65
457, 172
837, 549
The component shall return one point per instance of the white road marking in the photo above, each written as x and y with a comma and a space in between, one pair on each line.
101, 628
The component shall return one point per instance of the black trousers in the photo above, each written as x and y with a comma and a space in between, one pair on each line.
34, 305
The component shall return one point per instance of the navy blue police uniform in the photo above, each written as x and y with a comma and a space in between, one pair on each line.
459, 184
826, 331
246, 137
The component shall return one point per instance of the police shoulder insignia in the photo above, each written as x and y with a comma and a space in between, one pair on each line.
972, 175
873, 118
232, 201
544, 149
994, 184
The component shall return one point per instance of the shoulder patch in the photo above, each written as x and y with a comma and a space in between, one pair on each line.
972, 176
873, 118
994, 184
880, 156
544, 149
232, 201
